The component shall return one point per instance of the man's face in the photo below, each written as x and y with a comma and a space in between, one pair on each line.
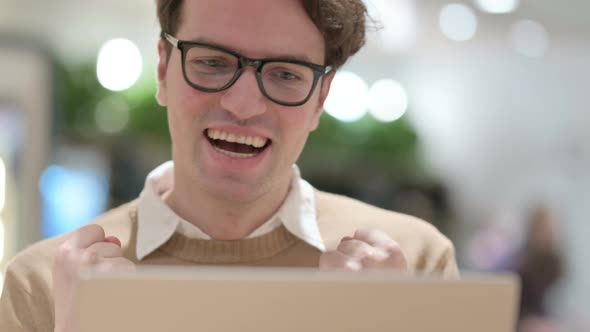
255, 29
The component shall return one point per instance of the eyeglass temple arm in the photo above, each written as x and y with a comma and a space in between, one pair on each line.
170, 39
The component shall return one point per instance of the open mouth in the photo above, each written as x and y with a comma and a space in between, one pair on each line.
236, 146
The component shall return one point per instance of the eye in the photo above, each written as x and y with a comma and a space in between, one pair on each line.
286, 76
214, 63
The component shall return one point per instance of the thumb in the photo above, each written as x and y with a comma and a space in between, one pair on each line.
113, 240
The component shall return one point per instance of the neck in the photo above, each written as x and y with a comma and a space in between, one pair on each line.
223, 220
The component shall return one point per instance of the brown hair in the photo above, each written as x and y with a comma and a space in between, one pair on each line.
341, 22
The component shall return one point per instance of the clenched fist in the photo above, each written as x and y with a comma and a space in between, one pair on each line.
87, 247
367, 249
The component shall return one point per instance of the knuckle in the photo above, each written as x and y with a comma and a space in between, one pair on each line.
66, 262
393, 248
65, 251
66, 254
378, 254
90, 257
344, 245
356, 248
398, 260
352, 265
372, 263
113, 250
363, 233
352, 247
93, 230
96, 230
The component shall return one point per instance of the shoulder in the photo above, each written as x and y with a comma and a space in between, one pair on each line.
336, 212
27, 298
421, 242
34, 263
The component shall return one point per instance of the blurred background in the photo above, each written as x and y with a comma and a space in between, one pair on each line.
471, 114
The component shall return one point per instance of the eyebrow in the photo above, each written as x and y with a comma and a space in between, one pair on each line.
297, 57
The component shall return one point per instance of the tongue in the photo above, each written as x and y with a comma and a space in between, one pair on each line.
236, 147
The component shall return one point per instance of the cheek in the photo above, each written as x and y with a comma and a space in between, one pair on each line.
186, 110
312, 118
297, 123
188, 104
301, 121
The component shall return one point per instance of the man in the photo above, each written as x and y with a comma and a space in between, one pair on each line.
244, 83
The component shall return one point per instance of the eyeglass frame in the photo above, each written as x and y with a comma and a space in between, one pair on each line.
184, 46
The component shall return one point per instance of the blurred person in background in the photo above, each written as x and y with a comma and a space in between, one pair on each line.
244, 84
540, 266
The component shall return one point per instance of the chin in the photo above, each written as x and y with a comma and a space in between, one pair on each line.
235, 190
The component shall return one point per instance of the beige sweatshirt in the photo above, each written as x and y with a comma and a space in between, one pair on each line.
27, 299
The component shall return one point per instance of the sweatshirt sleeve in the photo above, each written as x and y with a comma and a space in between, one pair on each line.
16, 306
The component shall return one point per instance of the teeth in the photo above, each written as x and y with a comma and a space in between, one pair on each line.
255, 141
258, 142
231, 138
235, 154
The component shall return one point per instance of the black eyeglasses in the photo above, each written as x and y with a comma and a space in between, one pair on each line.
210, 68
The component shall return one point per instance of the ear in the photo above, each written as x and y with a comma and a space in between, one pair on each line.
325, 90
161, 93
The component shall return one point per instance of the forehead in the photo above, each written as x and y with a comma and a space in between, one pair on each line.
254, 28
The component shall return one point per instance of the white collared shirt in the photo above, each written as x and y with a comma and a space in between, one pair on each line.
157, 222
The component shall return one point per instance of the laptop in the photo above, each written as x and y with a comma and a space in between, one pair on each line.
225, 299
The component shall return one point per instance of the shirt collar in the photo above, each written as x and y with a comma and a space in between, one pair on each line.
157, 222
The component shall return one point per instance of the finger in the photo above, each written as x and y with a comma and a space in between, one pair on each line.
372, 262
376, 238
104, 250
396, 258
359, 249
335, 260
115, 265
87, 235
393, 259
122, 264
113, 240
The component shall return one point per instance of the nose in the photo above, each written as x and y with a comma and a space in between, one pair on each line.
244, 99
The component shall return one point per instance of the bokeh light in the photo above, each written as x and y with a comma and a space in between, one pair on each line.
71, 198
530, 38
112, 114
388, 100
497, 6
119, 64
458, 22
348, 100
